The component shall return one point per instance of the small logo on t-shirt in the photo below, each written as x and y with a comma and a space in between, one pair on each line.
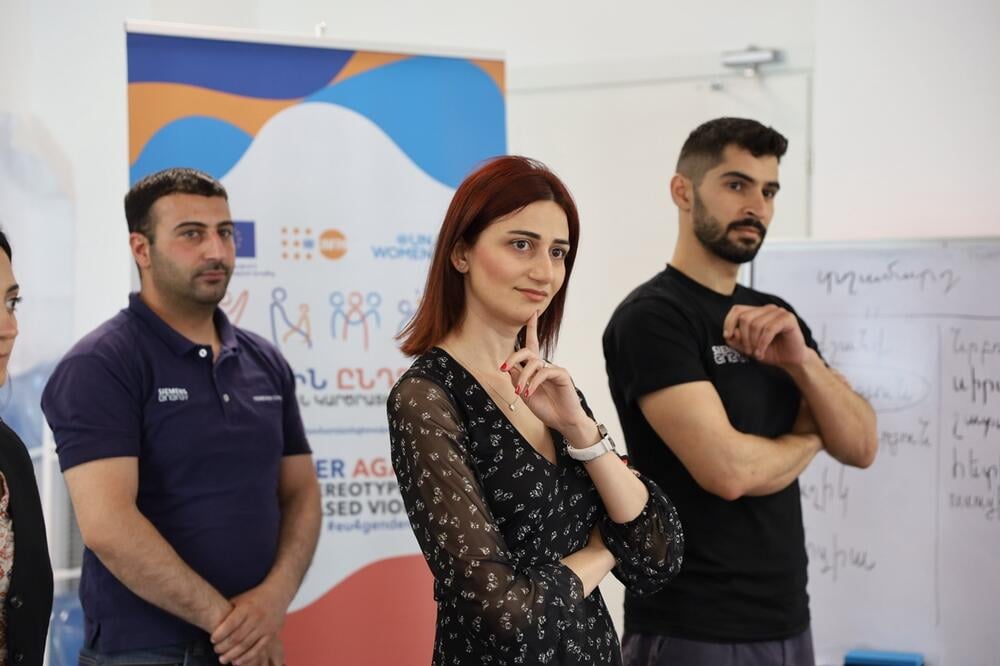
173, 394
267, 398
725, 354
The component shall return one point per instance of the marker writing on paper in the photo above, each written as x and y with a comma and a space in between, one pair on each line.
978, 387
890, 390
975, 351
922, 277
969, 467
871, 342
982, 425
822, 494
916, 438
988, 504
835, 559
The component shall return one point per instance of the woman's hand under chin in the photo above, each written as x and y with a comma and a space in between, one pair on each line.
546, 389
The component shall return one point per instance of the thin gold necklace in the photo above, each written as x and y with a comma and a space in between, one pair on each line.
511, 405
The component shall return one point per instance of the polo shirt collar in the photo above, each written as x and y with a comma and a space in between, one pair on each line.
176, 342
227, 332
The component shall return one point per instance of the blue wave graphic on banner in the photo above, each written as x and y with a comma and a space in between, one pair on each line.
256, 70
211, 145
447, 115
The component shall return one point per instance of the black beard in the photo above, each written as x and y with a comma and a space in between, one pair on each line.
715, 239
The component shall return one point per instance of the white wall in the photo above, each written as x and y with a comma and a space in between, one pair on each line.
906, 107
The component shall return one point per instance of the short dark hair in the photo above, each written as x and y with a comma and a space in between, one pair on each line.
704, 146
497, 188
5, 245
149, 190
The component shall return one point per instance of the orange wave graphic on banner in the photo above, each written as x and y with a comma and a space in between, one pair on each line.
495, 70
364, 61
382, 614
154, 105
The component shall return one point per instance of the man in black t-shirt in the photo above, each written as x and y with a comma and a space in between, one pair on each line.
724, 401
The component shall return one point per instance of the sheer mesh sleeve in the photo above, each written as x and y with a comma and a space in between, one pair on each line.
650, 548
526, 607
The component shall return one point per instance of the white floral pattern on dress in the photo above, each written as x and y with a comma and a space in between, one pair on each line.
6, 562
494, 518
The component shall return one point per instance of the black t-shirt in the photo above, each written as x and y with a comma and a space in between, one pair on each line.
744, 571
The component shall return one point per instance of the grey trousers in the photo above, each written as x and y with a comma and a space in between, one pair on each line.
656, 650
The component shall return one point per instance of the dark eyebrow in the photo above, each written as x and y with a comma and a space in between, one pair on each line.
13, 287
532, 234
202, 225
774, 185
191, 223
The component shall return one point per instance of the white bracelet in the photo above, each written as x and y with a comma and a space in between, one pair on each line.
604, 445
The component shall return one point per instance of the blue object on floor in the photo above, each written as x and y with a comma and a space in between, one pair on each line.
880, 658
65, 630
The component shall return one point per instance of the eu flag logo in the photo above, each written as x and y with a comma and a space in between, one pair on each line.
246, 239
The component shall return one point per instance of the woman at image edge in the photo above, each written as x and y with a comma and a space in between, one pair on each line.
25, 571
516, 530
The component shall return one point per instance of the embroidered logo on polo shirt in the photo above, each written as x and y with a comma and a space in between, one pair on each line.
725, 354
173, 394
267, 398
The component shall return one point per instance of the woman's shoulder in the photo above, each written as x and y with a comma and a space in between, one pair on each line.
434, 365
433, 372
14, 455
425, 393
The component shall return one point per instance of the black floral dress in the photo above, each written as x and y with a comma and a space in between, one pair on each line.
494, 518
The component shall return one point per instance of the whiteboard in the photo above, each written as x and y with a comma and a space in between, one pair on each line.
906, 554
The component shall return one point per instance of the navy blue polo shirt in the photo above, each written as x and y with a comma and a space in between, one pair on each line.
209, 437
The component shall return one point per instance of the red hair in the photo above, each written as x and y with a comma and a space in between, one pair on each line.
501, 186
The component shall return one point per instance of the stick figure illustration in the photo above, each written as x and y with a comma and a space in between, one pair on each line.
277, 311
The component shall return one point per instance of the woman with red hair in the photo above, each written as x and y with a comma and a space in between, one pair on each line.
516, 495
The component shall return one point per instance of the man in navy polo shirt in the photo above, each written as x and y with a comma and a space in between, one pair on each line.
182, 446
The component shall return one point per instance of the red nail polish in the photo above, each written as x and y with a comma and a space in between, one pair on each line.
503, 367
